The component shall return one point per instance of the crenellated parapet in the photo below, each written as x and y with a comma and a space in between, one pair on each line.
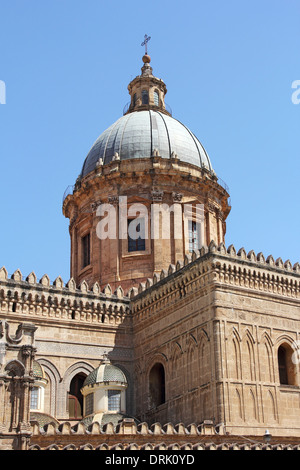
217, 264
131, 436
39, 298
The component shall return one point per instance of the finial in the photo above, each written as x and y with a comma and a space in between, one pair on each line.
105, 359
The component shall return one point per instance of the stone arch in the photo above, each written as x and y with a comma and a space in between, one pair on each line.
15, 368
286, 344
157, 385
51, 402
158, 358
77, 368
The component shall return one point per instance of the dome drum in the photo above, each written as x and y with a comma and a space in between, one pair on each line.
104, 392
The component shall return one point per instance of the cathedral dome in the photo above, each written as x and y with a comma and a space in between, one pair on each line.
139, 134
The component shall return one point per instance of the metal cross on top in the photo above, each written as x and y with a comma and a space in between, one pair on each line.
144, 43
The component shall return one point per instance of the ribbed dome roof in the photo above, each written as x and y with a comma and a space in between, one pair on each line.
38, 372
138, 134
105, 373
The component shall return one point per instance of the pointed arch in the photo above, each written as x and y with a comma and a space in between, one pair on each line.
270, 406
248, 362
234, 356
266, 359
192, 360
204, 357
237, 405
251, 404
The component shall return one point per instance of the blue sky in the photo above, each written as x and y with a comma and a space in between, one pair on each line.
229, 68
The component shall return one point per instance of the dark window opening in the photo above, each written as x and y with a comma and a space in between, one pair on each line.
286, 367
75, 398
282, 365
85, 245
137, 243
145, 97
157, 385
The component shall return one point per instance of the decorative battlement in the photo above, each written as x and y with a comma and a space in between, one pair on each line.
117, 301
69, 302
130, 436
228, 266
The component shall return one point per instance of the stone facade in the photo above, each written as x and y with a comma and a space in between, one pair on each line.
215, 323
207, 338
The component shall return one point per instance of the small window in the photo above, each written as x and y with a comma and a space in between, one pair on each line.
137, 243
156, 98
114, 400
75, 397
283, 378
89, 404
145, 97
286, 367
85, 245
193, 235
34, 398
157, 385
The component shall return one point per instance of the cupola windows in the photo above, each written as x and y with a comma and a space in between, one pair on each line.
34, 398
145, 97
85, 250
136, 234
114, 400
156, 98
194, 235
